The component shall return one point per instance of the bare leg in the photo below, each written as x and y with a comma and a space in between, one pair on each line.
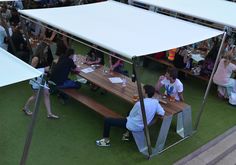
48, 104
30, 100
47, 101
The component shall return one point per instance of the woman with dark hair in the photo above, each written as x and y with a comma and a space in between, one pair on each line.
41, 60
117, 65
62, 69
94, 56
62, 44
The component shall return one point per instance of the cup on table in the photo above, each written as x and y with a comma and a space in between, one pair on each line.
74, 58
124, 82
135, 97
172, 98
93, 67
111, 72
105, 70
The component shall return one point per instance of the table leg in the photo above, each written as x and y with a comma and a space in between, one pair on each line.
184, 123
165, 126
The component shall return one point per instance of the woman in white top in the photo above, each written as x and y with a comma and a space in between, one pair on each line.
222, 76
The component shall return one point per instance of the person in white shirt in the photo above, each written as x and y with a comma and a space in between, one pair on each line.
134, 122
173, 86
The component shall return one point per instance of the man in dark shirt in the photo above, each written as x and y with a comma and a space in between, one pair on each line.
62, 69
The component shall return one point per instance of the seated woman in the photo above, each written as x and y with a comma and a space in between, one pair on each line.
117, 65
94, 56
173, 86
62, 69
222, 76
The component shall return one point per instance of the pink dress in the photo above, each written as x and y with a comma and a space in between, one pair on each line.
223, 78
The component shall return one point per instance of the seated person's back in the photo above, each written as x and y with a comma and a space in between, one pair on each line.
62, 69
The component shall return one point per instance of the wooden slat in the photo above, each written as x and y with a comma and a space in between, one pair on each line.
92, 104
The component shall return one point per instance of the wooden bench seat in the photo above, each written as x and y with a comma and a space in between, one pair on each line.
188, 72
92, 104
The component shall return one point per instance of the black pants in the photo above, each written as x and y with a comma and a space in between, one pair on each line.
113, 122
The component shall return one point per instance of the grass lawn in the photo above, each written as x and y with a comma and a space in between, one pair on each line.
71, 139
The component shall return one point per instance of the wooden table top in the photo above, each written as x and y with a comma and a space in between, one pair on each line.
99, 78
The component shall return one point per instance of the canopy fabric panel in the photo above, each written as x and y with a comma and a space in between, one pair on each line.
123, 29
217, 11
13, 70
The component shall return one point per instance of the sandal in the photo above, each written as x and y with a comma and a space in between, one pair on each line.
27, 111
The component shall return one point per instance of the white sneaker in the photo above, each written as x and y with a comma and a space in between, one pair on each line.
52, 116
126, 136
103, 142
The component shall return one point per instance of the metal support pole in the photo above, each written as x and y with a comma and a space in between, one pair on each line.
4, 23
23, 25
32, 124
146, 131
209, 84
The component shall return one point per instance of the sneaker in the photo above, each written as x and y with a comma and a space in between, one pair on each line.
52, 116
103, 142
126, 136
27, 111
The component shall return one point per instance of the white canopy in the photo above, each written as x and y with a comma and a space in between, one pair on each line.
123, 29
13, 70
218, 11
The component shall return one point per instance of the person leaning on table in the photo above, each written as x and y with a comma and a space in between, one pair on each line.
134, 121
41, 59
61, 70
173, 86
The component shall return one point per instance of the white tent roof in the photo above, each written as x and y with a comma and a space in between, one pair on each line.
13, 70
123, 29
218, 11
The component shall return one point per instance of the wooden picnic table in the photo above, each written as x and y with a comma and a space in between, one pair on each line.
100, 76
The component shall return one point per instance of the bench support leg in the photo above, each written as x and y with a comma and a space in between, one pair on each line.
140, 141
165, 126
184, 123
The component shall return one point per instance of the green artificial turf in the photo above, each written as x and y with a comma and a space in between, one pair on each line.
71, 139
